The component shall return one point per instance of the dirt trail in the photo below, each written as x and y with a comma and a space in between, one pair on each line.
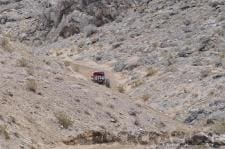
85, 69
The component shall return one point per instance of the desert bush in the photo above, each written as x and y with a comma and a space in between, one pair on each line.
30, 71
205, 73
145, 97
155, 44
59, 53
150, 72
22, 62
5, 44
137, 83
121, 89
64, 120
47, 62
171, 59
4, 132
67, 63
76, 68
31, 85
222, 55
218, 127
220, 31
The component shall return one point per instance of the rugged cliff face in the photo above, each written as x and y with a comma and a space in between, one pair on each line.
165, 60
35, 21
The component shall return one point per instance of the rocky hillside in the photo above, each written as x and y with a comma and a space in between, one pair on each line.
165, 60
43, 103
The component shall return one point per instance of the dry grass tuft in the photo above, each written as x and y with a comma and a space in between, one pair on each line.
218, 127
121, 89
171, 59
64, 120
30, 71
145, 97
150, 72
5, 44
22, 62
32, 85
155, 44
59, 53
137, 83
4, 132
67, 63
222, 55
76, 68
205, 73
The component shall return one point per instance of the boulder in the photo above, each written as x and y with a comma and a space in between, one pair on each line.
198, 139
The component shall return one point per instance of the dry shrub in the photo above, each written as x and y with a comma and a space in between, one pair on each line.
64, 120
155, 44
121, 89
145, 98
4, 132
46, 62
205, 73
220, 31
76, 68
218, 127
67, 63
137, 83
5, 44
22, 62
221, 18
31, 85
171, 59
222, 55
150, 72
30, 71
59, 53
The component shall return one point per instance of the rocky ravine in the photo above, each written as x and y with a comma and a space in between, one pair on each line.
169, 56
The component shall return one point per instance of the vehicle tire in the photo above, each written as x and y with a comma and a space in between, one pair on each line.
107, 83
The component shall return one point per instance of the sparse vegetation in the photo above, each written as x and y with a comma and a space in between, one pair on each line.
170, 59
145, 97
150, 72
218, 127
30, 71
22, 62
121, 89
155, 44
59, 53
5, 44
46, 62
64, 120
205, 73
222, 55
66, 63
4, 132
76, 68
137, 83
31, 85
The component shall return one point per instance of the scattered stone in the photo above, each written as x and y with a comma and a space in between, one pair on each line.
119, 66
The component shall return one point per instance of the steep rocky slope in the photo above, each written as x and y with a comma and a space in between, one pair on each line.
169, 51
165, 59
44, 103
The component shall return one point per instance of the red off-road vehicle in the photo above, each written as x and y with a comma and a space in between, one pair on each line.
99, 77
